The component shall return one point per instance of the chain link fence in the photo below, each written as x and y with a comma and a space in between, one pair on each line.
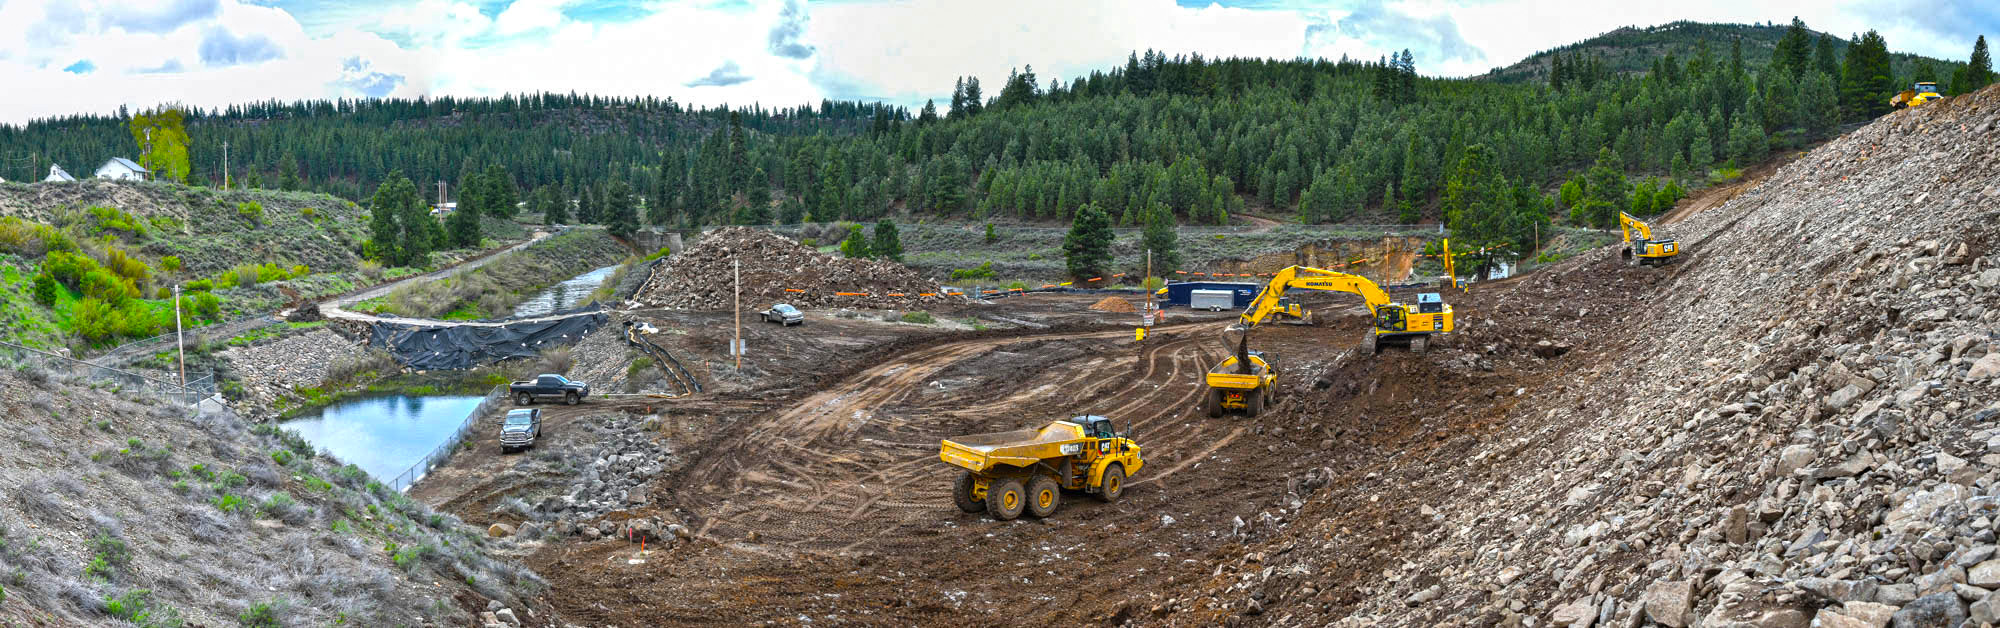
493, 400
23, 358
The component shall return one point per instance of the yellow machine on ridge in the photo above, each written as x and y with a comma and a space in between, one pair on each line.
1008, 473
1644, 249
1916, 95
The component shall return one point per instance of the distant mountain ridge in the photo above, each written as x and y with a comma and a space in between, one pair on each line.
1631, 50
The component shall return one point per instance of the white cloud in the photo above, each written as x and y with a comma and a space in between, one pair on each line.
787, 52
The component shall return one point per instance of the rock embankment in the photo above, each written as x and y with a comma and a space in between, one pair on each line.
703, 277
1797, 425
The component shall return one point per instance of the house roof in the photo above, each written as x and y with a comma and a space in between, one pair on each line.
127, 163
56, 172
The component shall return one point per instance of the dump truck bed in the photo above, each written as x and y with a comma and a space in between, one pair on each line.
1224, 375
1019, 448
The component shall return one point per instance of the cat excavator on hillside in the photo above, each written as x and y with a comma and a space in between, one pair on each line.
1644, 249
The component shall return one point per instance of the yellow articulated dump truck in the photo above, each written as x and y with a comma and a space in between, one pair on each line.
1007, 473
1247, 390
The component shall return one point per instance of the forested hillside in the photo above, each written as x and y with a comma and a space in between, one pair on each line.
1635, 50
1160, 139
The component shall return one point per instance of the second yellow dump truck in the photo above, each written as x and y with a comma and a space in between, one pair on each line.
1232, 388
1008, 473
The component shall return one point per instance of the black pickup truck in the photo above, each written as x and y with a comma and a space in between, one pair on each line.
548, 385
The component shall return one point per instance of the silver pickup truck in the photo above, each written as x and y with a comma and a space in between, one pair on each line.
520, 430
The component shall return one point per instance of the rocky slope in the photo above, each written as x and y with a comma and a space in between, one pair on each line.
1798, 425
118, 506
701, 278
209, 229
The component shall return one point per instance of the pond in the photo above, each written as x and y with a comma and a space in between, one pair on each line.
567, 294
385, 435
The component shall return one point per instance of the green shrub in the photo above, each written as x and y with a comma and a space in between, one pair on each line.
207, 305
171, 263
227, 503
261, 615
108, 556
282, 457
113, 219
124, 265
94, 319
984, 271
199, 285
1016, 285
136, 606
921, 318
663, 252
279, 502
68, 268
46, 289
246, 276
108, 287
32, 239
252, 211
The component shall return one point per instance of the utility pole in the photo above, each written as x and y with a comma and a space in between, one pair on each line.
225, 165
736, 268
180, 341
440, 193
1146, 287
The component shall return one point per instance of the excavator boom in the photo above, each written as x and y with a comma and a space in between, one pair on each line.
1309, 278
1644, 249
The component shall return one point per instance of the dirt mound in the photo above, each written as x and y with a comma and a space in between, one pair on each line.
1114, 304
777, 269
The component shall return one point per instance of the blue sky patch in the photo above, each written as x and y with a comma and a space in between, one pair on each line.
81, 67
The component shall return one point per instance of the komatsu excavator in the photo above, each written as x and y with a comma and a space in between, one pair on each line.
1644, 249
1394, 323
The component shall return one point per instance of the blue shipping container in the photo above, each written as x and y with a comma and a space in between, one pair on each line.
1180, 293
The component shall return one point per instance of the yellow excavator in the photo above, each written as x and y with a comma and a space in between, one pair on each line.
1644, 249
1394, 323
1916, 95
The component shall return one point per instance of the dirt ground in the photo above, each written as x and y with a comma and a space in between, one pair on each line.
810, 478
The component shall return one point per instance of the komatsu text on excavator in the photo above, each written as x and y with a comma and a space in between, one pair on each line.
1644, 249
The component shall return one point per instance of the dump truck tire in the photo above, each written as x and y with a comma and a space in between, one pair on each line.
1113, 485
1044, 496
1253, 404
1214, 403
1006, 499
961, 494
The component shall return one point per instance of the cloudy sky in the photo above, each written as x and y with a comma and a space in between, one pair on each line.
69, 56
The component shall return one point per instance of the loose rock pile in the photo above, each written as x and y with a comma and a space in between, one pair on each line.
614, 476
1798, 425
701, 278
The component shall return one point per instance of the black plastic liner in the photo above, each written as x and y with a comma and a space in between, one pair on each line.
453, 347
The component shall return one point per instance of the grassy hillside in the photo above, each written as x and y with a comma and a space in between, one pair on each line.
92, 263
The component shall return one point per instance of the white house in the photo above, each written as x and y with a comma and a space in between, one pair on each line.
122, 169
56, 175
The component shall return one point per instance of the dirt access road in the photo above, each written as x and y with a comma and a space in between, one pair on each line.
828, 504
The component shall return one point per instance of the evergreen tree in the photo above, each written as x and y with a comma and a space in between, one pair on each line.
1824, 59
1793, 53
555, 205
1747, 142
1978, 72
501, 199
1162, 237
929, 114
856, 244
1867, 82
974, 100
1818, 109
586, 206
1476, 201
401, 231
471, 191
888, 244
288, 174
461, 227
621, 214
1087, 247
1605, 192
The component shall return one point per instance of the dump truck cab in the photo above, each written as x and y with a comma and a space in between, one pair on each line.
1008, 473
1231, 388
